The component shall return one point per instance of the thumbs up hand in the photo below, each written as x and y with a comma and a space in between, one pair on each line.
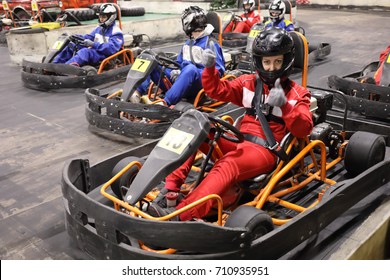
276, 96
209, 56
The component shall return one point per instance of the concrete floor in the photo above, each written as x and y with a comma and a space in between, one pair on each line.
41, 130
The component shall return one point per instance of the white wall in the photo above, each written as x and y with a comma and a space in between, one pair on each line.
384, 3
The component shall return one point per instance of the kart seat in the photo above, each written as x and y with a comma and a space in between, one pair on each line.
301, 56
288, 9
215, 20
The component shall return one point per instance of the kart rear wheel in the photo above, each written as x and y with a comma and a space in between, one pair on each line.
255, 220
91, 71
364, 150
120, 186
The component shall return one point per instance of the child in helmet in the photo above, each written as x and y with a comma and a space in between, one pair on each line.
277, 9
187, 81
288, 110
103, 41
249, 18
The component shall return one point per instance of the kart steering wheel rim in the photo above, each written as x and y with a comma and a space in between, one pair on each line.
75, 38
225, 127
167, 62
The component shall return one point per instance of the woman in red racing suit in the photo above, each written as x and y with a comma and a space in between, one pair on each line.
290, 111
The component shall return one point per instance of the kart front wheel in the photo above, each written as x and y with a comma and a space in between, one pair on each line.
364, 150
122, 184
255, 220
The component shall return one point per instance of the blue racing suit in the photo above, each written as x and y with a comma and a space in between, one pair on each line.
282, 23
189, 82
107, 41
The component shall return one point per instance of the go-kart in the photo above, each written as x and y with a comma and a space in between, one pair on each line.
106, 204
367, 102
114, 112
47, 75
368, 99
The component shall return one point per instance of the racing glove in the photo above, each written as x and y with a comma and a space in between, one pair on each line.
209, 56
174, 74
276, 96
87, 43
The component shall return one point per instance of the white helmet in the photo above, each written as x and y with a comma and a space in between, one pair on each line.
251, 5
110, 11
277, 9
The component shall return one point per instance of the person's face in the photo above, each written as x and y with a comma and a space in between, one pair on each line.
274, 13
272, 63
103, 18
247, 6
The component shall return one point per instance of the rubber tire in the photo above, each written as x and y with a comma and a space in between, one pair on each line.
91, 71
127, 178
183, 106
364, 150
132, 12
257, 221
82, 14
22, 15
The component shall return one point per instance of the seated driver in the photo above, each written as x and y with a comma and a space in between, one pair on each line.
249, 18
187, 81
277, 10
288, 110
104, 41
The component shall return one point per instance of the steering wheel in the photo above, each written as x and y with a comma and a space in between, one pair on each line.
227, 131
238, 18
167, 62
76, 38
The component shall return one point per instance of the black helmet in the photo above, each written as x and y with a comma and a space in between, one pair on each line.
251, 5
278, 8
193, 19
110, 11
273, 41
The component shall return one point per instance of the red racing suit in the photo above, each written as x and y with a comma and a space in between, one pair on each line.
244, 26
243, 160
382, 57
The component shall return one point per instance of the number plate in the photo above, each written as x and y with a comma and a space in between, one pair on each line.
5, 6
254, 33
175, 140
57, 45
140, 65
34, 6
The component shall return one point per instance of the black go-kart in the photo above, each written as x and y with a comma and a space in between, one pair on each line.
106, 203
114, 112
367, 102
49, 76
